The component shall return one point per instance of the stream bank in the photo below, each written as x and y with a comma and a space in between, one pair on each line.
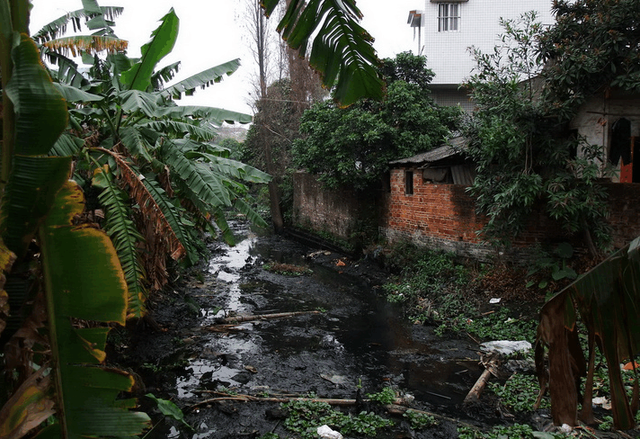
349, 340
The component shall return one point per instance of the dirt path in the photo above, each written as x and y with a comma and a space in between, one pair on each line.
357, 339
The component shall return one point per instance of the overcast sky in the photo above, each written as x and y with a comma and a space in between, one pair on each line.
211, 33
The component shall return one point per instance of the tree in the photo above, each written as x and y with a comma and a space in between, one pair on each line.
592, 46
341, 52
353, 146
278, 107
525, 158
133, 136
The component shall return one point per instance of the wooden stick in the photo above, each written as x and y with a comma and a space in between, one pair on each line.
478, 387
396, 409
249, 318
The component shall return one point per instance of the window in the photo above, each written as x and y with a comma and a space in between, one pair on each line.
448, 17
408, 183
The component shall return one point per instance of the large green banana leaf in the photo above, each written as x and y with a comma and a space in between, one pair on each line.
342, 51
201, 80
211, 114
83, 280
162, 41
40, 109
30, 192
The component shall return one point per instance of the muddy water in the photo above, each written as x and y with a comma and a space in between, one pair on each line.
357, 339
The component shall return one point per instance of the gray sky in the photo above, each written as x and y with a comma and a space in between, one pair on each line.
211, 33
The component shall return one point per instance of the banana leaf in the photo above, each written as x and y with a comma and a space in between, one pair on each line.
162, 41
59, 26
83, 280
342, 51
608, 301
212, 114
40, 109
123, 233
30, 192
201, 80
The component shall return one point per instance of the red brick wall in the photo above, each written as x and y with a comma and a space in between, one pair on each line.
443, 216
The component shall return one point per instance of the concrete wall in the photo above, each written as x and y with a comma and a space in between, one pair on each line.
596, 117
479, 26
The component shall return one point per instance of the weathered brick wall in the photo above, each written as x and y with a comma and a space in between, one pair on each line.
332, 211
443, 216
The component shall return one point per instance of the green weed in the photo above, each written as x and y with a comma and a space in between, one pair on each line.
306, 416
519, 393
419, 421
386, 396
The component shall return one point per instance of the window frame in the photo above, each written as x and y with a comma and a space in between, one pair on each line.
449, 17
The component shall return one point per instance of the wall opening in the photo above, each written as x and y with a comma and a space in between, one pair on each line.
408, 182
623, 149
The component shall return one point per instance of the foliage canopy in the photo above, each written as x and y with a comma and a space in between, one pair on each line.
353, 146
525, 158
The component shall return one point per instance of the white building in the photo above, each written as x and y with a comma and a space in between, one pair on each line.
445, 30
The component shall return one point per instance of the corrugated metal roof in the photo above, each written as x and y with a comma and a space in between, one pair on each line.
453, 147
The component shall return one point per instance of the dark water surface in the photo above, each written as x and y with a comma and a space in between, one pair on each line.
358, 339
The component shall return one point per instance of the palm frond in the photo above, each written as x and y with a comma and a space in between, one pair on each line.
125, 237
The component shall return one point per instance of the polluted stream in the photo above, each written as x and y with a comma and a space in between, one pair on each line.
341, 336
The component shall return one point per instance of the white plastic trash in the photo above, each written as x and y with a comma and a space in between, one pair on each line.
506, 347
326, 432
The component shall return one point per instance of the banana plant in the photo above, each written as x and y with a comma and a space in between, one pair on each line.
606, 300
71, 268
136, 137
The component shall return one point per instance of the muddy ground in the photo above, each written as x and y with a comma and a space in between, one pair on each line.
354, 339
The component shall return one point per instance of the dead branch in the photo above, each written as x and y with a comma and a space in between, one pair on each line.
396, 409
249, 318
